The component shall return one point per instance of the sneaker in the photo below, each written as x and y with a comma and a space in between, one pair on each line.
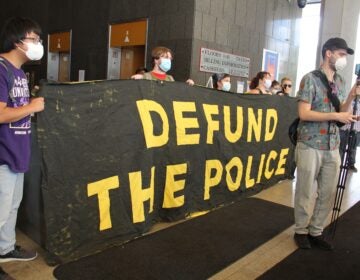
352, 168
4, 275
302, 241
320, 242
18, 254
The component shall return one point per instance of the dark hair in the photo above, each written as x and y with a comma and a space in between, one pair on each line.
140, 70
14, 30
323, 51
275, 83
218, 77
259, 76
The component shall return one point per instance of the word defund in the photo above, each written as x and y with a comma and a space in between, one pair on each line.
259, 125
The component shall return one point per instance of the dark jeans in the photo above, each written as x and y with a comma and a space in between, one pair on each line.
344, 134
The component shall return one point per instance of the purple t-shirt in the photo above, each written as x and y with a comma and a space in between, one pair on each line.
15, 136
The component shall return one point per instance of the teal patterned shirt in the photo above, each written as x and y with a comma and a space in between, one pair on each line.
320, 135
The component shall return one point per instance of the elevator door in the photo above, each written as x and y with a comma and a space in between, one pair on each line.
59, 56
128, 40
131, 59
64, 67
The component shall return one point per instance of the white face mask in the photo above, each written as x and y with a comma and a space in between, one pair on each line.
340, 63
267, 83
226, 86
34, 51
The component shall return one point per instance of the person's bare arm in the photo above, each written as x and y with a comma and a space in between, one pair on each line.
306, 114
355, 91
8, 114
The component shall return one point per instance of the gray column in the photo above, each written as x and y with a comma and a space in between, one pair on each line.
340, 19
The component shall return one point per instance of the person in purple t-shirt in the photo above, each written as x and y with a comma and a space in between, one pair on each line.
19, 43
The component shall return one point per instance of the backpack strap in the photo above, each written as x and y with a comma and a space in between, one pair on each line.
333, 98
10, 79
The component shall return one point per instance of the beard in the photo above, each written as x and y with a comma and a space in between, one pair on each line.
332, 62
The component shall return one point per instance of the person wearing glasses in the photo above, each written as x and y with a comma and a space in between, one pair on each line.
19, 42
162, 61
286, 86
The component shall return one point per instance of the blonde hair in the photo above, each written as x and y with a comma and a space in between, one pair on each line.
285, 79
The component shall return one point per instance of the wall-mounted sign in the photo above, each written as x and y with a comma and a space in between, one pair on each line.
270, 63
220, 62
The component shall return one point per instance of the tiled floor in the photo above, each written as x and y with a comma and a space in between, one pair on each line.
248, 267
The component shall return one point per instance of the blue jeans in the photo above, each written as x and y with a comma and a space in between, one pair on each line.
317, 172
11, 192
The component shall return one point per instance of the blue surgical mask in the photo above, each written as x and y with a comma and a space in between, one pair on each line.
226, 86
165, 64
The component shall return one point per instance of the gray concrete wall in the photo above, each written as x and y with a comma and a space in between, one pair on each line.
340, 19
242, 27
245, 28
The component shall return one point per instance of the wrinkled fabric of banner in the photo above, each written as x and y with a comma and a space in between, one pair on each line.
119, 156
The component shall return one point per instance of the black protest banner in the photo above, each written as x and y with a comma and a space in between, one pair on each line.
120, 155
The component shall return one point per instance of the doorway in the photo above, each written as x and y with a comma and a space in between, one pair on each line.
59, 56
132, 58
64, 67
127, 49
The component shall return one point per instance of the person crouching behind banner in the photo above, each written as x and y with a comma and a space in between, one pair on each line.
141, 70
317, 150
161, 60
20, 42
219, 81
275, 87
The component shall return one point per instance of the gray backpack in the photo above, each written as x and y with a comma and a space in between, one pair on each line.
10, 78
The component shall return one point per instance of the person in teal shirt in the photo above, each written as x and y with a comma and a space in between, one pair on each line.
317, 150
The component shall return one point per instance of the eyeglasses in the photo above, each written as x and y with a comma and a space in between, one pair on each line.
286, 85
35, 40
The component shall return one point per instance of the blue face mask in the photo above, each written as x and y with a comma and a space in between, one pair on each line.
226, 86
165, 64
